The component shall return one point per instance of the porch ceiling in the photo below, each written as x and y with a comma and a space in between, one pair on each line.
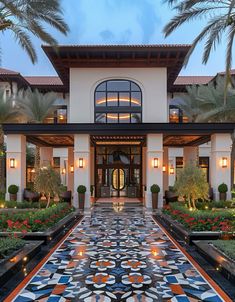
61, 135
51, 140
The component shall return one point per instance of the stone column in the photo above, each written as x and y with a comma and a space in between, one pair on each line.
154, 175
46, 156
70, 173
16, 150
220, 148
166, 172
191, 155
82, 175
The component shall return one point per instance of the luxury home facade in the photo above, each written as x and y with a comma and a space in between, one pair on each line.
116, 127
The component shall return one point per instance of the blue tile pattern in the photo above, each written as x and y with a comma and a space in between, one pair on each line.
122, 256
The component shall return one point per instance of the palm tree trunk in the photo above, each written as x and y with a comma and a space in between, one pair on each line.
2, 161
37, 157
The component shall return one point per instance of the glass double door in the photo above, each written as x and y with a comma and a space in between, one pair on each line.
118, 171
118, 182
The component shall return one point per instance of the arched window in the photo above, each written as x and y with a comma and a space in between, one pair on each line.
118, 101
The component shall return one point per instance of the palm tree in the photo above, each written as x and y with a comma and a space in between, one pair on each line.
36, 107
221, 23
207, 102
23, 17
8, 114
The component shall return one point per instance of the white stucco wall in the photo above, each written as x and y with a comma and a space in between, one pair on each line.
83, 81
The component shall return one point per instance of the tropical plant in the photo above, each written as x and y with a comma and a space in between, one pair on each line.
25, 17
204, 103
191, 184
36, 107
8, 114
220, 16
47, 182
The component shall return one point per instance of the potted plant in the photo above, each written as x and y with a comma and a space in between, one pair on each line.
81, 196
223, 189
92, 190
13, 190
155, 189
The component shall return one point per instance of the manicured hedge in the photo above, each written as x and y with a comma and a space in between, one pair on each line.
34, 221
198, 220
23, 204
9, 245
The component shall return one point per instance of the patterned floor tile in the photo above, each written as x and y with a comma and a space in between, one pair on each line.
121, 256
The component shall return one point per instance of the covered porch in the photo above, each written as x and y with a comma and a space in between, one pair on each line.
141, 155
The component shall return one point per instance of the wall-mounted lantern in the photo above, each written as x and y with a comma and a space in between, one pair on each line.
12, 163
224, 162
164, 169
155, 162
172, 170
63, 171
81, 163
72, 169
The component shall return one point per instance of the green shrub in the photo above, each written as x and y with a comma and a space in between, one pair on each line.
24, 204
226, 246
9, 245
223, 188
208, 205
13, 189
81, 189
155, 189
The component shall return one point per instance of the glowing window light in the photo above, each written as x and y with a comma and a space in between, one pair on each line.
133, 101
115, 117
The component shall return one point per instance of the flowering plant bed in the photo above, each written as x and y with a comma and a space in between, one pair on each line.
33, 221
220, 254
202, 220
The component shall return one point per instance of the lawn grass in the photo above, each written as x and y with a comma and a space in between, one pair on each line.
226, 246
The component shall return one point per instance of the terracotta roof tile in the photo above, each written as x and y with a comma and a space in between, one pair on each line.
120, 45
44, 81
193, 80
4, 71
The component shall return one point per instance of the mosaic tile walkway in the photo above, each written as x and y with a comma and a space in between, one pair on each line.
122, 256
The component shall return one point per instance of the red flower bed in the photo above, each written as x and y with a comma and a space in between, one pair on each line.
201, 220
33, 221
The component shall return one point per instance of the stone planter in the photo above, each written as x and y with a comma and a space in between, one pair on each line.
177, 230
13, 197
217, 258
81, 201
154, 201
223, 196
13, 264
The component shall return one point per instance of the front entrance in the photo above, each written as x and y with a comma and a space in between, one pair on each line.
118, 171
119, 181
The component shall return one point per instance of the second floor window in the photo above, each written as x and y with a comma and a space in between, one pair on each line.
118, 101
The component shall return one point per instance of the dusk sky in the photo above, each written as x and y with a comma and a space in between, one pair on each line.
113, 22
